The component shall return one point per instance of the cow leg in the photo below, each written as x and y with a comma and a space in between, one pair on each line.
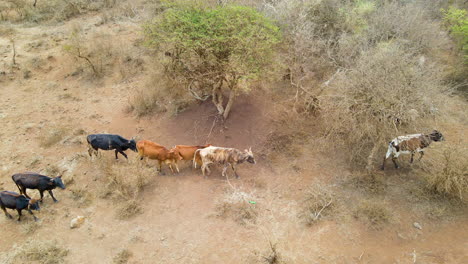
23, 190
116, 151
6, 213
177, 167
42, 195
412, 156
224, 170
19, 214
35, 218
170, 167
123, 154
234, 169
421, 155
383, 163
90, 151
160, 168
394, 162
52, 195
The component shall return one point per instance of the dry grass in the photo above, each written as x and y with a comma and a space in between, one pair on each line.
122, 257
318, 203
30, 227
38, 251
236, 205
375, 212
160, 94
128, 209
81, 196
447, 171
52, 136
49, 10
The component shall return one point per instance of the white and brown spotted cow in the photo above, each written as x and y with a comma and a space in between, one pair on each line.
410, 144
226, 156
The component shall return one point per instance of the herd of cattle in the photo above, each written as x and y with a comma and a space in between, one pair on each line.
202, 155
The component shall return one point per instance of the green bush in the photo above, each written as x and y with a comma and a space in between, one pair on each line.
456, 21
211, 49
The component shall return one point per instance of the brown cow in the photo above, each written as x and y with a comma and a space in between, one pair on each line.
188, 152
151, 150
226, 156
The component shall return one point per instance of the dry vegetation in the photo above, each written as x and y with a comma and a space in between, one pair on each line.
40, 251
319, 201
122, 257
239, 206
375, 212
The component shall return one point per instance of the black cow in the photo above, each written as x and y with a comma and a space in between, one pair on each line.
16, 201
31, 180
110, 142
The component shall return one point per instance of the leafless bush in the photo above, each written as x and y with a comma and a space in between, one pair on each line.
123, 180
122, 257
318, 203
40, 251
47, 10
373, 211
159, 95
387, 91
447, 171
52, 136
128, 209
237, 205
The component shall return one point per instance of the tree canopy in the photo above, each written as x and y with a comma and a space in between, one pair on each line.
212, 49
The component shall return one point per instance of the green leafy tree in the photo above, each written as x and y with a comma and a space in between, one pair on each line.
457, 22
214, 51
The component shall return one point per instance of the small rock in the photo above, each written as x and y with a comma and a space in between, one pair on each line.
417, 225
77, 222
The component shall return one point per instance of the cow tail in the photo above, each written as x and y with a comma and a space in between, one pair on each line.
195, 158
16, 184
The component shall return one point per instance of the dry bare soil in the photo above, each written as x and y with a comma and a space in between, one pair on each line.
46, 110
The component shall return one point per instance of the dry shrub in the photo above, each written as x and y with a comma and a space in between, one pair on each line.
81, 196
128, 209
122, 257
375, 212
236, 205
318, 203
52, 136
388, 92
30, 227
123, 180
372, 182
49, 10
273, 256
40, 251
447, 171
159, 95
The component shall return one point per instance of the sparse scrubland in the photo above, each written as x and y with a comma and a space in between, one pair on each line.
317, 87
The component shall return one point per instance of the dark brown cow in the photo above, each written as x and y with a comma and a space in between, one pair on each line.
226, 156
18, 202
151, 150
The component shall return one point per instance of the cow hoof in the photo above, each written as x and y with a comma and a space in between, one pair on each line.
55, 201
382, 168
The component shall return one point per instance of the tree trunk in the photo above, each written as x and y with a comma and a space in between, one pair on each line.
227, 109
217, 98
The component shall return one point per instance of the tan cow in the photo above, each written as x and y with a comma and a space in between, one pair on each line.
226, 156
151, 150
188, 152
